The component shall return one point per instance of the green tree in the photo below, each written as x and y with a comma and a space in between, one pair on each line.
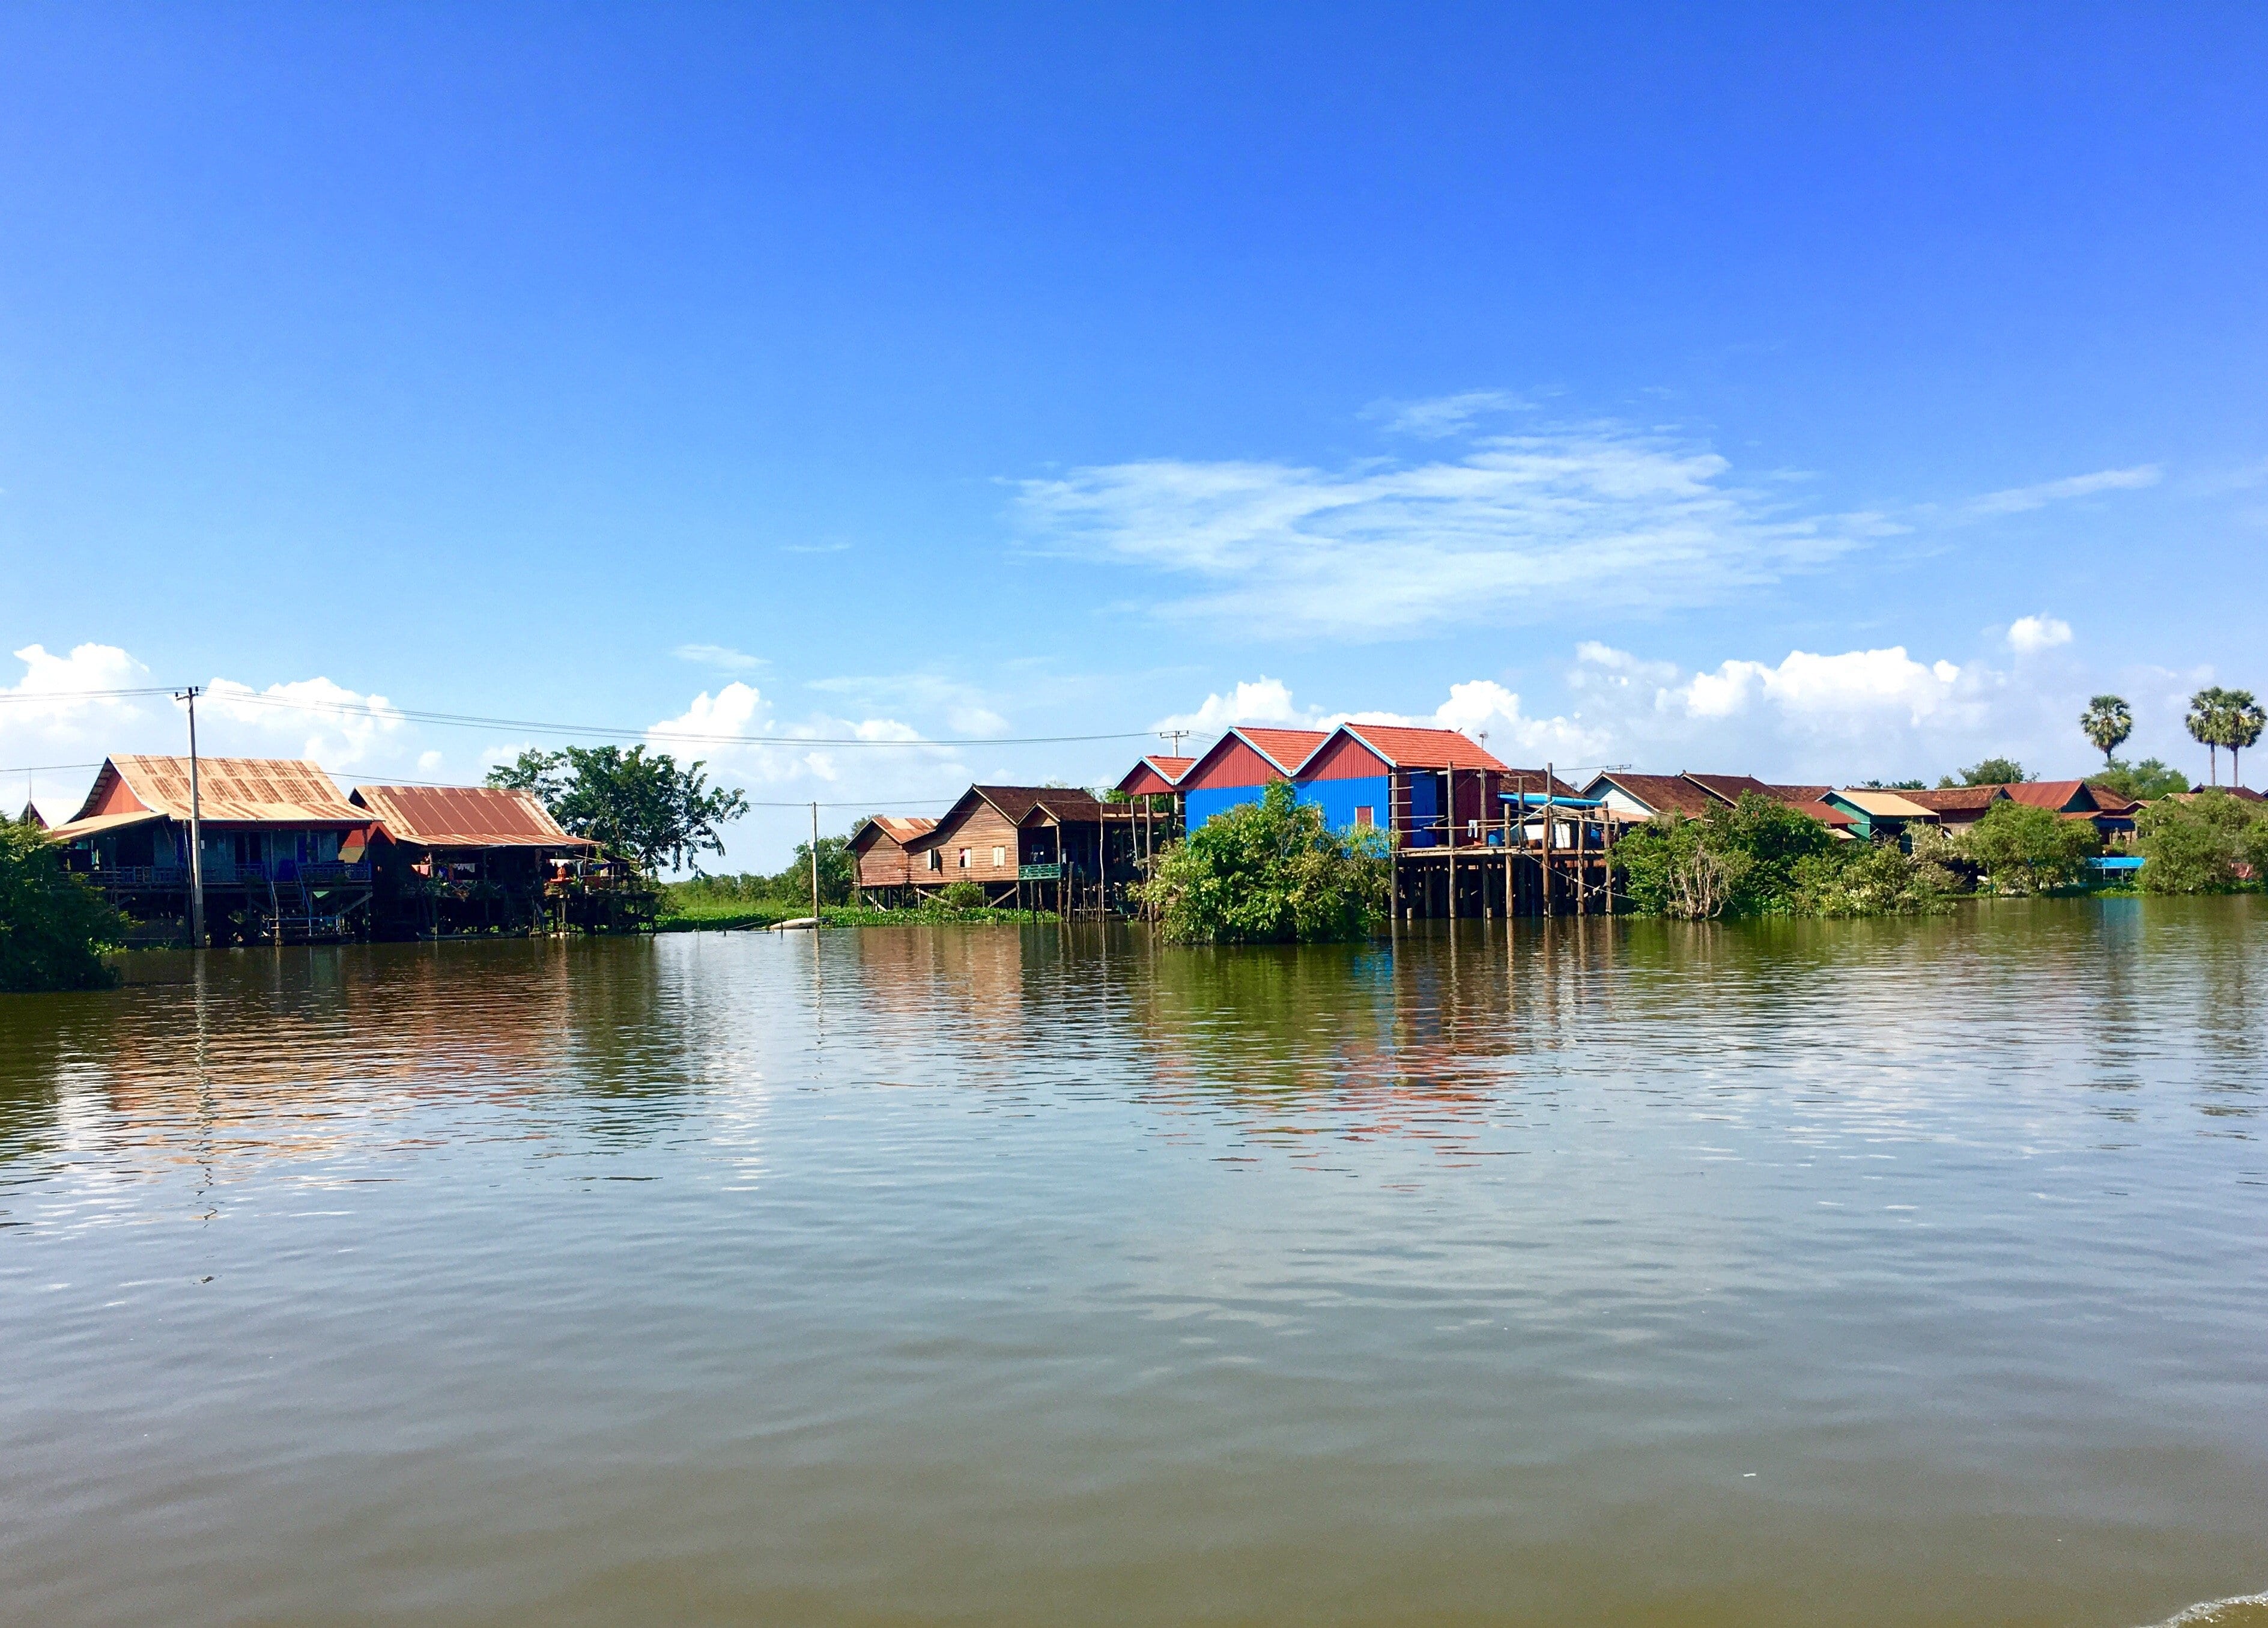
2207, 722
2022, 849
2143, 782
54, 928
1989, 771
2242, 722
2195, 844
1270, 872
838, 871
2107, 722
638, 807
1762, 857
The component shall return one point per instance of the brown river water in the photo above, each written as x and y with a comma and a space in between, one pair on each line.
1866, 1272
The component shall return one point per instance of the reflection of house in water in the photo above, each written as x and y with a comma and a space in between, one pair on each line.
284, 855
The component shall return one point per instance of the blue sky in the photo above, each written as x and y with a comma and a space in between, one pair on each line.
1820, 395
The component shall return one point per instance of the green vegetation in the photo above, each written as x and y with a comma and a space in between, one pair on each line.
642, 809
778, 897
1990, 771
1762, 857
1271, 872
2107, 722
2143, 782
2230, 718
2198, 844
2020, 849
718, 918
52, 927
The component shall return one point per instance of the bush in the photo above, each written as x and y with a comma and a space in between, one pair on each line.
2196, 845
964, 895
1762, 857
1270, 872
52, 927
2023, 849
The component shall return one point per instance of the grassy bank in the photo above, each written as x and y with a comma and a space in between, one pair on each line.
727, 917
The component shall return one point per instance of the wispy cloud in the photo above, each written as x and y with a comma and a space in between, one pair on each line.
718, 658
966, 709
2022, 500
1444, 415
1631, 521
815, 547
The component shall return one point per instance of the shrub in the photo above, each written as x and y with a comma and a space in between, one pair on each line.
2143, 782
52, 927
2195, 844
964, 895
2024, 848
1270, 872
1762, 857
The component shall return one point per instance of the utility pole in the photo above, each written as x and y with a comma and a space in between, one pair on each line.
1176, 736
814, 862
197, 830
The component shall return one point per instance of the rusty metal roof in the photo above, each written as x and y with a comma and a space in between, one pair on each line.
1658, 793
899, 829
239, 791
464, 816
71, 831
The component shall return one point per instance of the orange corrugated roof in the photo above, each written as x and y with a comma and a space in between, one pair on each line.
1286, 748
1407, 746
464, 816
277, 791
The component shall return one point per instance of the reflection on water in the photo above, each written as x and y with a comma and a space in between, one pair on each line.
1612, 1271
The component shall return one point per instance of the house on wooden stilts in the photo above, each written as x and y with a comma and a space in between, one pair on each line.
285, 858
882, 850
1032, 847
468, 858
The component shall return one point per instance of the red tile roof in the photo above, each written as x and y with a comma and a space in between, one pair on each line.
1407, 747
464, 816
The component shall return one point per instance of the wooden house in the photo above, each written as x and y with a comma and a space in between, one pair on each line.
1633, 796
465, 859
284, 855
1041, 846
1958, 807
882, 849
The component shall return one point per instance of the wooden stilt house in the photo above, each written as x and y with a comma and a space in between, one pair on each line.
284, 857
882, 849
467, 859
1040, 847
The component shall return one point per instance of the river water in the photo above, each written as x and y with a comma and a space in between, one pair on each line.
1895, 1272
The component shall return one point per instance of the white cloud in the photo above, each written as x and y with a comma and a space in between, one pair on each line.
2022, 500
1263, 701
2027, 636
966, 709
310, 718
429, 763
719, 658
1629, 521
1443, 415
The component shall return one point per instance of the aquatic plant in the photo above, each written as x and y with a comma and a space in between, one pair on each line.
2205, 844
1270, 872
2022, 848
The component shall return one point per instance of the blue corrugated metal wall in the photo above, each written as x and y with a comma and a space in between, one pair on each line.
1338, 799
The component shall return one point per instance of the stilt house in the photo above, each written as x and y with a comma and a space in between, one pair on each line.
285, 857
881, 848
1037, 846
464, 859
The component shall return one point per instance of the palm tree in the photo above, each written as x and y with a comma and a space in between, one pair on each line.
2208, 725
2108, 721
2244, 720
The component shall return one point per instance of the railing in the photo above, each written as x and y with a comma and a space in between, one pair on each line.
139, 876
1038, 872
328, 872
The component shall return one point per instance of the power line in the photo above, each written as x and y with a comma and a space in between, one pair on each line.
469, 720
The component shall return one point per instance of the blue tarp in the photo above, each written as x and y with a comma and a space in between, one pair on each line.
1537, 799
2118, 862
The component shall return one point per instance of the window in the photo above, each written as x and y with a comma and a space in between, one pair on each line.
964, 859
1472, 827
999, 857
1365, 814
936, 858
